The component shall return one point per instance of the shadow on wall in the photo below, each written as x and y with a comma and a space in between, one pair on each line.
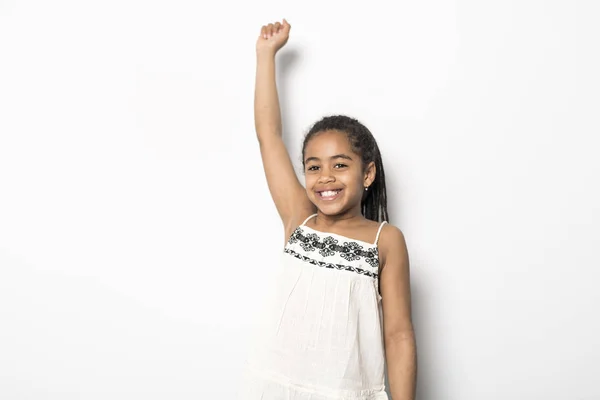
286, 60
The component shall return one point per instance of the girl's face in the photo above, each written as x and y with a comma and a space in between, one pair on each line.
335, 181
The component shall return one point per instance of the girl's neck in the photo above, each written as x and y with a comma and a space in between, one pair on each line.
349, 218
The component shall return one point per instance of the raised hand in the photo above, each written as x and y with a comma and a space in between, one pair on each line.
273, 37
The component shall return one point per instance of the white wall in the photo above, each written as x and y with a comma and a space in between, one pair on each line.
137, 234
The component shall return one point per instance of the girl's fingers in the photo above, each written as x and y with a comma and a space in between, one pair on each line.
269, 30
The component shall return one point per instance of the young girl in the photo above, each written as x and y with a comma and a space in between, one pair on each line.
341, 309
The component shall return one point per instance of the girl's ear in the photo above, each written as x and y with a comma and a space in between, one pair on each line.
370, 173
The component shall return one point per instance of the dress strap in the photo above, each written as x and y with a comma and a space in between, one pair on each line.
379, 231
306, 220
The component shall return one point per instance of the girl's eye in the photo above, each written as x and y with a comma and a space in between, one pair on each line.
315, 167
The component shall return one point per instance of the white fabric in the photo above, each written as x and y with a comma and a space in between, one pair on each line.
322, 337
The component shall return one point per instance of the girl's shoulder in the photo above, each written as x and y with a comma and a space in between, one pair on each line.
297, 219
391, 240
389, 234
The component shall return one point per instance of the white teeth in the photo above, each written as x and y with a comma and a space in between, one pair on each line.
330, 193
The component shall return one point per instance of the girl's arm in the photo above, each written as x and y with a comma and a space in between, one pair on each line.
288, 194
400, 342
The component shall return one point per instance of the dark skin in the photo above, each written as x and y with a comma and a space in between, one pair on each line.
330, 163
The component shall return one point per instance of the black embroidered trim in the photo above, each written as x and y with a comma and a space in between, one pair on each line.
329, 246
331, 265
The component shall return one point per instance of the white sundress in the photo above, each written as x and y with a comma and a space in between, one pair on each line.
322, 338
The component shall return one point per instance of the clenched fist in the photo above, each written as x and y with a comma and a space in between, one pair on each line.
273, 37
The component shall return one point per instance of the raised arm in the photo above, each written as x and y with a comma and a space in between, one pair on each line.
289, 195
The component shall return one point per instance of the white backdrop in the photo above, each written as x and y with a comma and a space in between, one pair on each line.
137, 234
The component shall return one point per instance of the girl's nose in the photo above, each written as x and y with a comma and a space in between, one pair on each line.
326, 178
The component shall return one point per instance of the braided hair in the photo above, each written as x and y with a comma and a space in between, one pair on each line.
374, 202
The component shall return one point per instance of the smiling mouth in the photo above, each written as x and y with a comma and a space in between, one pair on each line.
329, 195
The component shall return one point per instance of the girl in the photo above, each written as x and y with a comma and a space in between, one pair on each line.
341, 308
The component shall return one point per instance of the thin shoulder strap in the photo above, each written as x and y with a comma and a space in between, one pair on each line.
306, 220
379, 231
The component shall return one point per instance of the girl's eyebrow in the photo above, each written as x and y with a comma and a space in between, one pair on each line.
344, 156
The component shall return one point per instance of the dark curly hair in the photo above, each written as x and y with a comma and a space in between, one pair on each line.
374, 201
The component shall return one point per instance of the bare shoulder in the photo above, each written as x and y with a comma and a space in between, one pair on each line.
297, 218
392, 244
390, 234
